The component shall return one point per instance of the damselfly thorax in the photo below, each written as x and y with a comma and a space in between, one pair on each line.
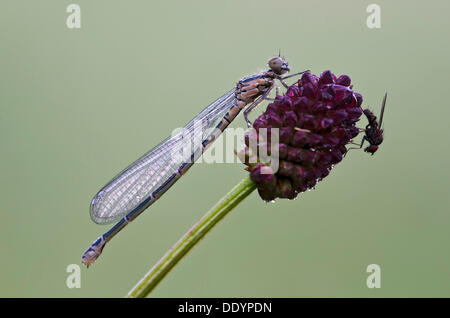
138, 186
251, 91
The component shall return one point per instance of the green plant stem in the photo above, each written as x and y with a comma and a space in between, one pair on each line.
191, 238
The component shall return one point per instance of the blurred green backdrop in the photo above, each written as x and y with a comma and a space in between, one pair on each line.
77, 106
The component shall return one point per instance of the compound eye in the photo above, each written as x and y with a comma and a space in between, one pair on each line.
276, 63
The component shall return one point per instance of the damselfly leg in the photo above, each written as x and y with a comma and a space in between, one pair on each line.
265, 95
252, 106
295, 74
281, 79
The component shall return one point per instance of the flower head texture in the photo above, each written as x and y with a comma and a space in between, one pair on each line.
315, 120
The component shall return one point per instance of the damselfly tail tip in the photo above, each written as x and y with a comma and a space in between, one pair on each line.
93, 252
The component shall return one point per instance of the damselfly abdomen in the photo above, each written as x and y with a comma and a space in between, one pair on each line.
134, 189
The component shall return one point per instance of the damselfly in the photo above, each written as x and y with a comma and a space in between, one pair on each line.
134, 189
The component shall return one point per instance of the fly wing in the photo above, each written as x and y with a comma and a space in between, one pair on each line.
383, 104
134, 185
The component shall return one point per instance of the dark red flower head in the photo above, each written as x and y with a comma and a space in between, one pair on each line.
315, 120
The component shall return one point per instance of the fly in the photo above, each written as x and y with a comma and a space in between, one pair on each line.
373, 133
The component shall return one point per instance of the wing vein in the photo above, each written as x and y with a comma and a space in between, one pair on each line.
136, 183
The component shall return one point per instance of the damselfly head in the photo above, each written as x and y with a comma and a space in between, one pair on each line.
278, 65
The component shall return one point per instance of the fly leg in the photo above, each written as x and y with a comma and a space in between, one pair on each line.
255, 103
360, 146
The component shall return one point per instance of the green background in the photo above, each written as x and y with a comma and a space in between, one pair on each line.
77, 106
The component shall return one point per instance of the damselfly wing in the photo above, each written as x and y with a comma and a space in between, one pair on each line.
140, 182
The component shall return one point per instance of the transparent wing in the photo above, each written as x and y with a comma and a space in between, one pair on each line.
137, 182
